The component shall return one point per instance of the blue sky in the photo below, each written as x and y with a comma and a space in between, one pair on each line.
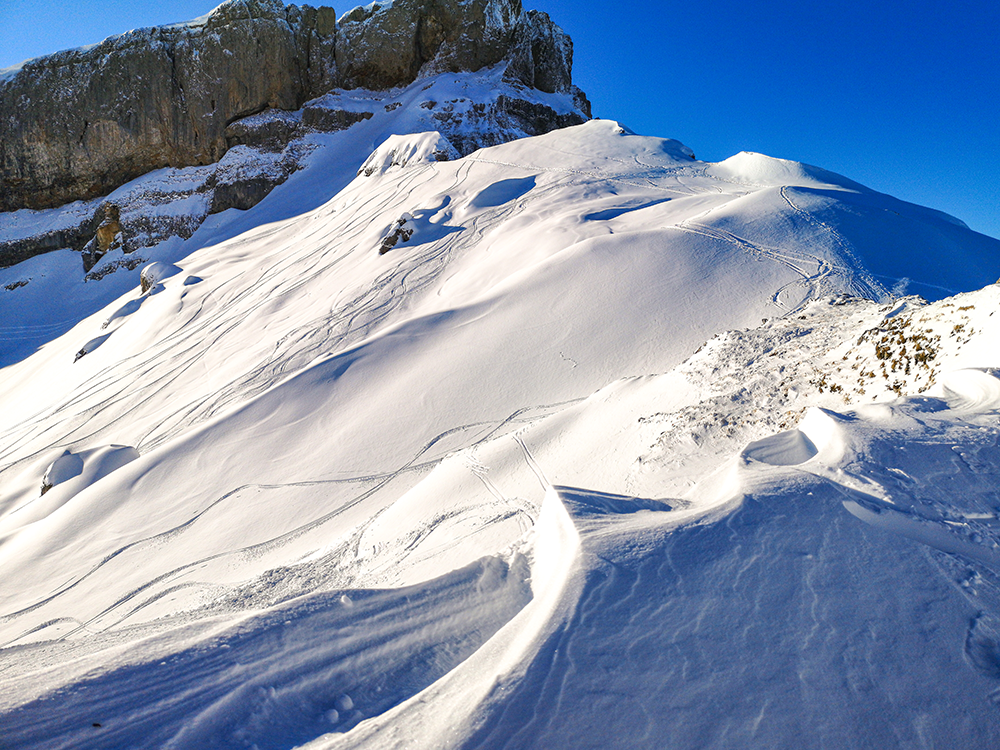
903, 97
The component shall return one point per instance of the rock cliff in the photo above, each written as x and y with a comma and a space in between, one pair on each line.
77, 124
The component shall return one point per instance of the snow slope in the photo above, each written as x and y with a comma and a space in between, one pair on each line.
45, 296
532, 475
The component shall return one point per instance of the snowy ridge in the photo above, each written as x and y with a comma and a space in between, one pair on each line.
534, 475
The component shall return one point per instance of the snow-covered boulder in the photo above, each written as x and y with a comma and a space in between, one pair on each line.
67, 466
408, 150
153, 273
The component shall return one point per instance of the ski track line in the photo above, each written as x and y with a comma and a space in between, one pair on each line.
129, 375
381, 480
790, 259
254, 382
878, 291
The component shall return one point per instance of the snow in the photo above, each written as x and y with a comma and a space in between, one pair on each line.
612, 445
174, 202
150, 276
380, 5
404, 150
16, 225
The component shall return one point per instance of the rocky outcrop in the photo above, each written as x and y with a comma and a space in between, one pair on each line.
78, 124
399, 231
386, 45
245, 176
542, 55
108, 235
73, 236
226, 100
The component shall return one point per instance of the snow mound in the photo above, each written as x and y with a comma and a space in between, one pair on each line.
154, 273
970, 390
759, 169
30, 500
408, 150
787, 448
63, 468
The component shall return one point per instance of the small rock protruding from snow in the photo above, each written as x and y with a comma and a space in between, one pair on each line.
398, 231
153, 273
408, 150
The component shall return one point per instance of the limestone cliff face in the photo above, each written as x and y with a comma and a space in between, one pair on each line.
382, 46
78, 124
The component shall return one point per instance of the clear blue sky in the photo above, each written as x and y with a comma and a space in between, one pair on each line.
903, 97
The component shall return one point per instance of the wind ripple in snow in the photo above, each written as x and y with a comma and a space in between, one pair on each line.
318, 664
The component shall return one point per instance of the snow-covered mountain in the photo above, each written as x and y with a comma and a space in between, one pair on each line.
572, 441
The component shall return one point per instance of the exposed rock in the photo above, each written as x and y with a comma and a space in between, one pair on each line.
75, 236
153, 273
270, 130
108, 235
80, 123
542, 55
398, 231
383, 46
64, 468
404, 150
245, 176
77, 124
331, 120
535, 118
110, 229
129, 264
249, 79
470, 126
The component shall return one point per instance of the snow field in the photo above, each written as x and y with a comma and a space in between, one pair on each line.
494, 463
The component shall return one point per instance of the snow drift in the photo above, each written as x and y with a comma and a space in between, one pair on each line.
535, 474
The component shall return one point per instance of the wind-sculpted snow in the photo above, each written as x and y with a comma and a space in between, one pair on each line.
786, 621
546, 446
318, 664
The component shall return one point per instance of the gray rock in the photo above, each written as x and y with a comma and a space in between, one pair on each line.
74, 237
154, 273
77, 124
542, 54
381, 47
331, 120
399, 231
270, 130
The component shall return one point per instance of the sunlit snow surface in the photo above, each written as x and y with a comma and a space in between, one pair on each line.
536, 476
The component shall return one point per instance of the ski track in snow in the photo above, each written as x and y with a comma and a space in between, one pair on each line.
679, 559
378, 482
813, 282
872, 288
